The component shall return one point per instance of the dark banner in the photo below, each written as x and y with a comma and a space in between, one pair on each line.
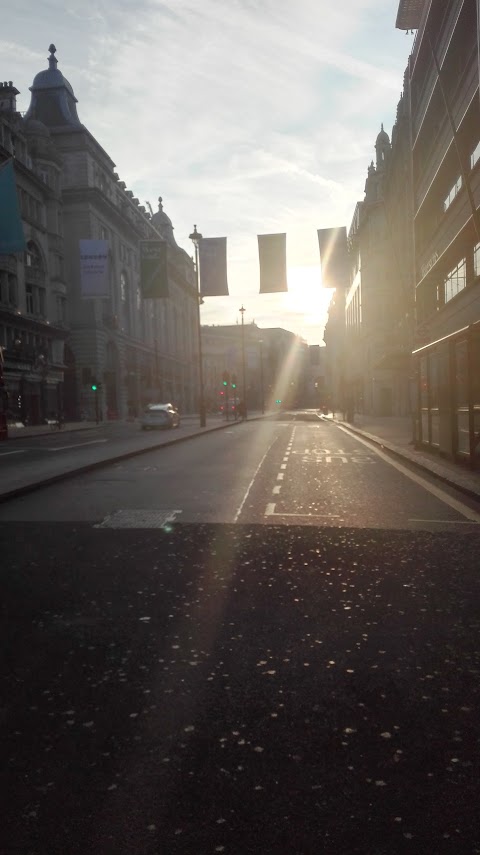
153, 269
212, 256
272, 251
11, 229
333, 256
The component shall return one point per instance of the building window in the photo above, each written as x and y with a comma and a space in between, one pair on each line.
123, 287
453, 192
29, 295
42, 301
475, 155
456, 280
33, 257
476, 259
61, 310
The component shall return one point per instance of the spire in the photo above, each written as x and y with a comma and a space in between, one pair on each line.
53, 62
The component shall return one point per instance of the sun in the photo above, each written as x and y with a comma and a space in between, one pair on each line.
306, 295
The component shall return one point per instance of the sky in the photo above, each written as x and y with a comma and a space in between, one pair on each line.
247, 116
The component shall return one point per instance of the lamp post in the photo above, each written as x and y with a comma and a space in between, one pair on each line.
244, 385
262, 394
196, 237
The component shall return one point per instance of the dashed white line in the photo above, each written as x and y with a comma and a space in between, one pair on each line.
276, 490
239, 511
280, 476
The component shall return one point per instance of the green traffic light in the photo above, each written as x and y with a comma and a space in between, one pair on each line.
94, 387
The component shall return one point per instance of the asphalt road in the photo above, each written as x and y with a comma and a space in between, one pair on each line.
200, 655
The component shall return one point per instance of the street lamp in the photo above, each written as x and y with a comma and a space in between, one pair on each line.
242, 312
196, 237
262, 395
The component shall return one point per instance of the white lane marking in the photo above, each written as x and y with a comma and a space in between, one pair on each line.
337, 457
257, 470
280, 476
283, 466
421, 482
271, 512
6, 453
276, 490
78, 445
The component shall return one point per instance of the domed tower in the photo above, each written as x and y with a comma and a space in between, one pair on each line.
163, 224
53, 101
383, 149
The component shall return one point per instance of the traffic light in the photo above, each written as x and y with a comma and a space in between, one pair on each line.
94, 387
234, 381
226, 378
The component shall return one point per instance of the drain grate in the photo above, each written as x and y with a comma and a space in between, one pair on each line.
139, 519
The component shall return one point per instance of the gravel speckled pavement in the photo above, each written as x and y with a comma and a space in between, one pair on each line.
229, 689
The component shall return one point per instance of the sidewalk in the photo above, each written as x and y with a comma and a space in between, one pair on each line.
395, 433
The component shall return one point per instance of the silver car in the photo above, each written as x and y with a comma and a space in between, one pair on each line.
160, 416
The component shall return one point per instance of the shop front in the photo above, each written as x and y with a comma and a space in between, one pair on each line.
447, 413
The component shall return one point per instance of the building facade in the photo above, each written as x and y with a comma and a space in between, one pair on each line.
33, 314
276, 366
443, 75
377, 343
134, 350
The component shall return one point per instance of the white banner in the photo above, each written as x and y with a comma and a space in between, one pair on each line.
94, 268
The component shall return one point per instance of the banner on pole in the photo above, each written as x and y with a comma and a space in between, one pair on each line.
94, 268
212, 256
333, 256
12, 238
272, 251
153, 269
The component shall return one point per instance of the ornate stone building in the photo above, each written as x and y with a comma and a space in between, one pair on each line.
133, 349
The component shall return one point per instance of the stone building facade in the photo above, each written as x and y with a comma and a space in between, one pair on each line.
443, 74
134, 350
276, 366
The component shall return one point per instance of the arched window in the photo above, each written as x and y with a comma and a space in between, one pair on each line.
33, 256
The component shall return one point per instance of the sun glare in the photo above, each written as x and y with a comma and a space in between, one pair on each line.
306, 295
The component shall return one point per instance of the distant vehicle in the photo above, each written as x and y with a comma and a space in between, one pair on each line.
160, 416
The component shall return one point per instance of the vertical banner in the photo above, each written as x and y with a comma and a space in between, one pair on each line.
272, 252
334, 256
212, 256
94, 268
12, 238
153, 269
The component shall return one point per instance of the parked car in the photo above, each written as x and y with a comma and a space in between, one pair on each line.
160, 416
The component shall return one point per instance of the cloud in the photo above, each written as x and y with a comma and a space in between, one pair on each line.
246, 117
